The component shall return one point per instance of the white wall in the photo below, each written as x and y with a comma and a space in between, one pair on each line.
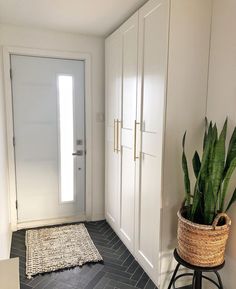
222, 98
186, 107
5, 233
53, 40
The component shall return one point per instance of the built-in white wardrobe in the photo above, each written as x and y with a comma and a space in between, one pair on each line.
147, 111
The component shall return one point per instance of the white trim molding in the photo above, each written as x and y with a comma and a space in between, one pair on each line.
10, 240
7, 51
168, 264
50, 222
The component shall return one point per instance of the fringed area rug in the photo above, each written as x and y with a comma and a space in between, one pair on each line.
51, 249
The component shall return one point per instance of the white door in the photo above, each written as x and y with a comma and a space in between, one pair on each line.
48, 112
153, 33
128, 155
112, 141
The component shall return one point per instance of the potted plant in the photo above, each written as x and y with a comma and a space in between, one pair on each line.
203, 225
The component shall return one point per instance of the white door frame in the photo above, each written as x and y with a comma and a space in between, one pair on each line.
7, 51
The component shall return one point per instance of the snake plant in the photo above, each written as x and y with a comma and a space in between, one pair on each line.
212, 172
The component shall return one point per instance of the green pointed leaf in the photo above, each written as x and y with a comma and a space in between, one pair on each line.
212, 150
226, 183
208, 203
196, 164
183, 140
205, 134
196, 202
203, 174
186, 174
218, 161
233, 199
231, 150
215, 132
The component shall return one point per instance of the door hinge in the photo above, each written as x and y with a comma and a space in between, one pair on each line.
16, 204
10, 73
14, 141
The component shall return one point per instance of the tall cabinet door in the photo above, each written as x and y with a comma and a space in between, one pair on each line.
113, 104
153, 45
129, 96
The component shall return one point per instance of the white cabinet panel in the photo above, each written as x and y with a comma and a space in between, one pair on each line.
153, 28
133, 195
112, 185
121, 94
130, 41
144, 48
113, 98
113, 76
128, 106
153, 41
127, 197
149, 210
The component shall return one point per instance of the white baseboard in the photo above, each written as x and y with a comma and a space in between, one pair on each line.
50, 222
98, 217
168, 265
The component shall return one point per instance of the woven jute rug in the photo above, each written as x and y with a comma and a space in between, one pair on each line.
51, 249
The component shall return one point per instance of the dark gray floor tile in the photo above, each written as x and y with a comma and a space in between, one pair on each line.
118, 271
54, 284
24, 286
121, 279
128, 261
120, 285
142, 281
95, 280
102, 283
150, 285
133, 266
137, 274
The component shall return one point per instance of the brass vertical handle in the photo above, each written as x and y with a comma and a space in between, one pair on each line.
118, 135
114, 133
135, 139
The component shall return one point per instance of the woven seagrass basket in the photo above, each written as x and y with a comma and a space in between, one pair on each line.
202, 245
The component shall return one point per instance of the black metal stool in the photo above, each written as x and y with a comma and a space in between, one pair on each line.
197, 274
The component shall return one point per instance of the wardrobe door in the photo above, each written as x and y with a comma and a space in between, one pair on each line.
153, 45
129, 96
113, 103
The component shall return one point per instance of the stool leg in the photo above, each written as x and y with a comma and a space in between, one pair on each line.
219, 280
173, 276
197, 280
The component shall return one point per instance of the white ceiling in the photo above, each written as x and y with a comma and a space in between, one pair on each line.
96, 17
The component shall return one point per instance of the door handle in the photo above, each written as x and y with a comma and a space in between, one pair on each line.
135, 139
78, 153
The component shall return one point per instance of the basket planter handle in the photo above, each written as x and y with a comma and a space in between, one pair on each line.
217, 218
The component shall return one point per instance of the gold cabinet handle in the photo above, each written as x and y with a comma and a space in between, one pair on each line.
114, 133
118, 135
135, 139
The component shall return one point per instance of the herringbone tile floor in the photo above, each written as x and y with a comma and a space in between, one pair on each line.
119, 270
